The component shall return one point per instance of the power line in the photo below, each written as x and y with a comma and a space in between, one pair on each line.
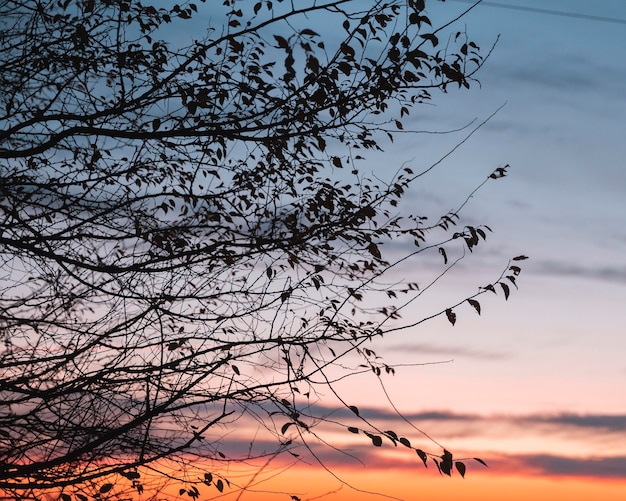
537, 10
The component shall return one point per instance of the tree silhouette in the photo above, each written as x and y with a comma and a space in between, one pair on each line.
187, 238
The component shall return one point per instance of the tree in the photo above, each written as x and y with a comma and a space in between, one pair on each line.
187, 237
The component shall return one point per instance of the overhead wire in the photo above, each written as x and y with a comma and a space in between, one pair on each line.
537, 10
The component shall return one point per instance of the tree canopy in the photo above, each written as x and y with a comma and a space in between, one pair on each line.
188, 237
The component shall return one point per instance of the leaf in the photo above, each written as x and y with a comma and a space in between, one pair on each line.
352, 429
405, 441
337, 162
432, 38
106, 488
519, 258
475, 304
506, 290
236, 369
422, 455
446, 462
451, 316
377, 440
281, 41
208, 478
392, 435
481, 462
66, 497
460, 467
373, 250
346, 69
285, 427
219, 485
354, 409
442, 251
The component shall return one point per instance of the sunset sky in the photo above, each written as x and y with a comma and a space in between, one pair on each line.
535, 386
529, 393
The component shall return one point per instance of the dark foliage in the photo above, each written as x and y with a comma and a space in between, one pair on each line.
186, 238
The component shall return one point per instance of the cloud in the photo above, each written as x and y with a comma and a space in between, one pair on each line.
448, 351
556, 445
616, 423
612, 423
604, 273
561, 466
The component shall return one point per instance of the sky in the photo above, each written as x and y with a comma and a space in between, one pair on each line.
536, 385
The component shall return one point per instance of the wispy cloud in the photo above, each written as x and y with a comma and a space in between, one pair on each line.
565, 444
448, 352
554, 465
616, 423
605, 273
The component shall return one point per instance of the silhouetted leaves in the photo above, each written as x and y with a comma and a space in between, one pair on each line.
432, 38
393, 436
445, 464
460, 467
442, 251
451, 316
422, 455
475, 304
499, 172
178, 204
480, 461
105, 488
281, 41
